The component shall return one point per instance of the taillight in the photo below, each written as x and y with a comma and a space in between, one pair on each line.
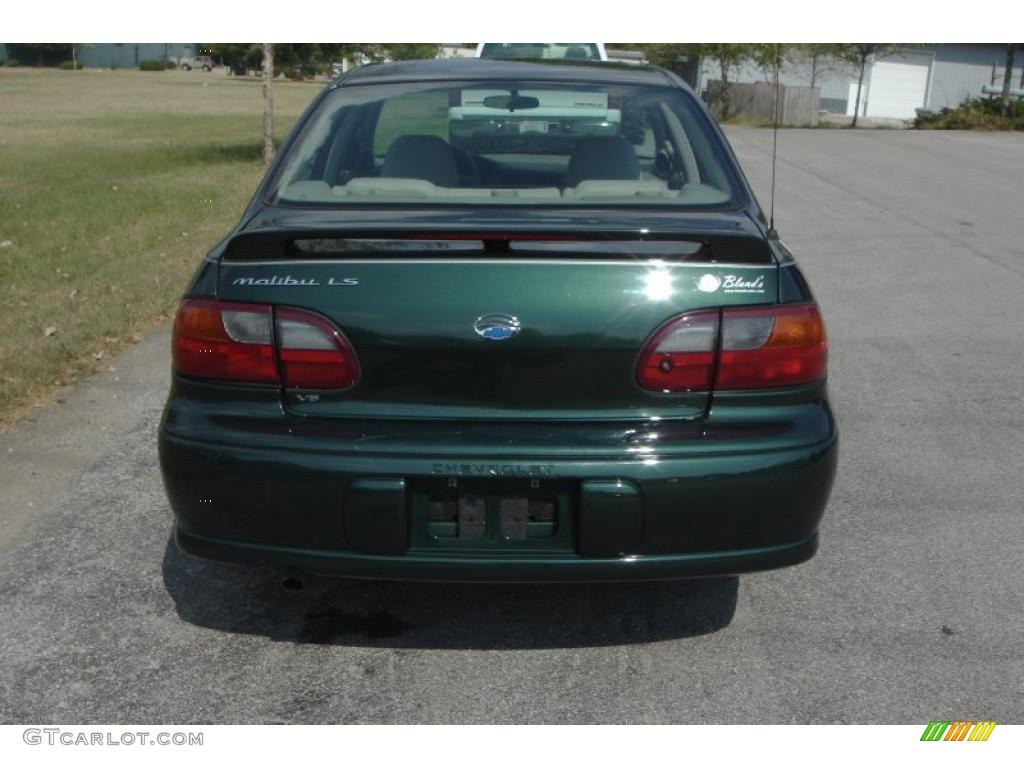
771, 347
314, 354
745, 348
222, 340
231, 341
680, 356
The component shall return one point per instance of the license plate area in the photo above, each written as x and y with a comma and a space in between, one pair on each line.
493, 515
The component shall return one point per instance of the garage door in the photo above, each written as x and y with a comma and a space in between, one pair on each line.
898, 87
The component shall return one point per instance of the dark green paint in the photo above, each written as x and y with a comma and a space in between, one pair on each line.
648, 486
583, 326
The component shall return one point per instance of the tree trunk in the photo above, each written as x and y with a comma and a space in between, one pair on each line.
1011, 49
860, 84
724, 105
775, 93
268, 103
74, 58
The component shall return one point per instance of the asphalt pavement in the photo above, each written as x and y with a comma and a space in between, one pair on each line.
912, 611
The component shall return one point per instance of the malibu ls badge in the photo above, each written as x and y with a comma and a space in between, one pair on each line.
289, 280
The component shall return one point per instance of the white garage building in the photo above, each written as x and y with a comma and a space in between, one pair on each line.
895, 86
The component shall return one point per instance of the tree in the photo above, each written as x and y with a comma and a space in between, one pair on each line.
379, 51
43, 54
298, 59
1011, 50
818, 59
237, 57
858, 55
405, 51
770, 57
727, 57
268, 103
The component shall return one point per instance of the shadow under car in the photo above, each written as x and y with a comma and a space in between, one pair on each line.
303, 608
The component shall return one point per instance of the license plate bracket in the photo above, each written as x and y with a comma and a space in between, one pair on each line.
507, 515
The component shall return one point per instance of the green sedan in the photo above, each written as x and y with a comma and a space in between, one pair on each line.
501, 321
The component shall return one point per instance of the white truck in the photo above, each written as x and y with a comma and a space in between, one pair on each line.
551, 51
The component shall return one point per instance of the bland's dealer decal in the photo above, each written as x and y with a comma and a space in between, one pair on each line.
730, 284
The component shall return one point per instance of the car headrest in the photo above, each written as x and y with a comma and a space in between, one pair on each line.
602, 158
429, 158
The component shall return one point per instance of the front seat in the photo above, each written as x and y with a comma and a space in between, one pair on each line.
429, 158
602, 158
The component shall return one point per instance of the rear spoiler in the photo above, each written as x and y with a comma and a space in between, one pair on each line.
284, 244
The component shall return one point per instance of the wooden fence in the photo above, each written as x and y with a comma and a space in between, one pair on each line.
754, 102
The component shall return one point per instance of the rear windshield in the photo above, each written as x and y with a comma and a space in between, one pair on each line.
507, 143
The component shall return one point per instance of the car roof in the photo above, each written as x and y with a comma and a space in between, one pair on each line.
496, 69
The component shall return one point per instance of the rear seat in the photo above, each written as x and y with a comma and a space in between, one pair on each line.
424, 157
418, 167
602, 158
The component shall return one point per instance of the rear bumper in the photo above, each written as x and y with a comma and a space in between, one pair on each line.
745, 491
412, 567
698, 516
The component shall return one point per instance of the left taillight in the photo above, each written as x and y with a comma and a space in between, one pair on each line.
224, 340
313, 352
234, 341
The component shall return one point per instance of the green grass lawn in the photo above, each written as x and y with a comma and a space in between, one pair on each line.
112, 187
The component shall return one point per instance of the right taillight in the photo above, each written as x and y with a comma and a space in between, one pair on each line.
771, 347
680, 356
743, 348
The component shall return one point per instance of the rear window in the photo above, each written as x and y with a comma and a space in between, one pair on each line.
507, 143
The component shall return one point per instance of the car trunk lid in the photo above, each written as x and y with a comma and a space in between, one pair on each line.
491, 323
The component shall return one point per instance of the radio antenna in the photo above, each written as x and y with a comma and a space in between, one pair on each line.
775, 147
